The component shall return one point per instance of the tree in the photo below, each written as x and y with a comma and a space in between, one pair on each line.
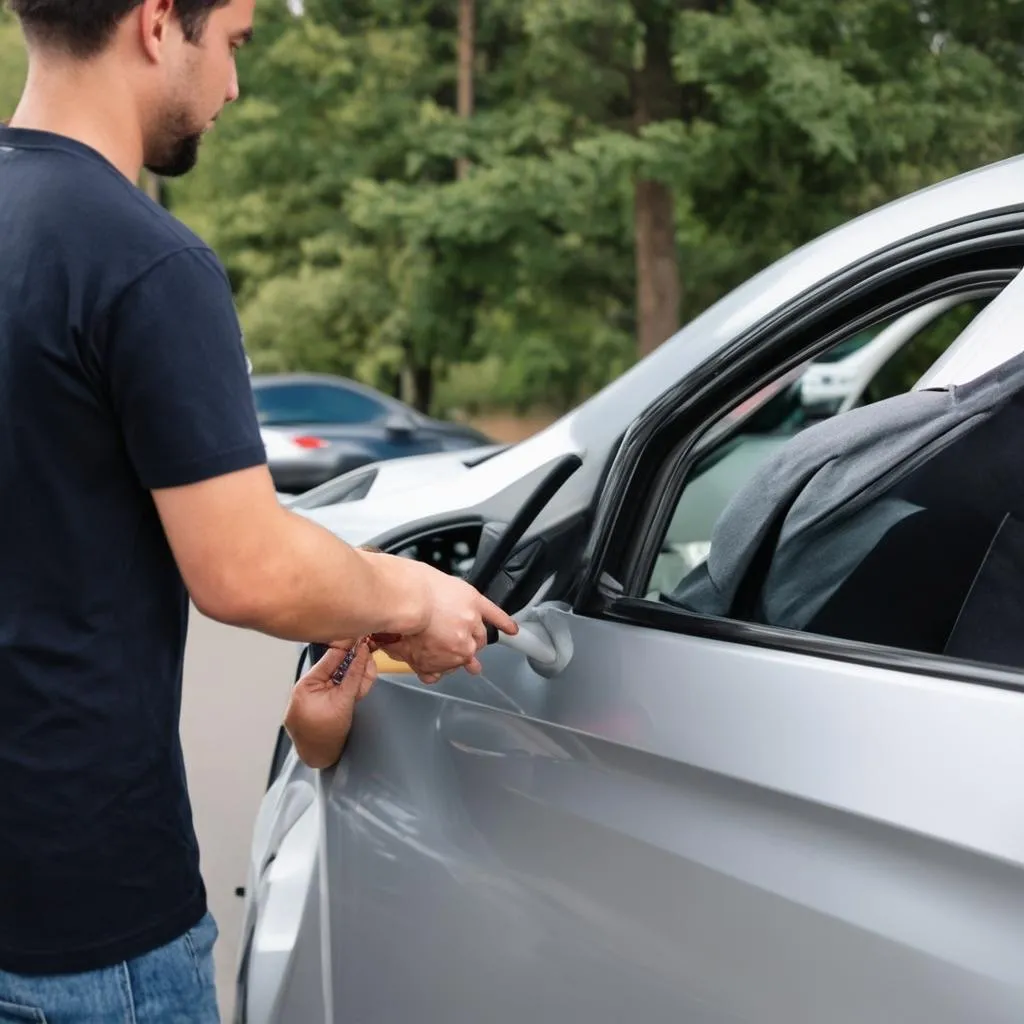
818, 111
657, 96
423, 269
467, 58
626, 163
13, 63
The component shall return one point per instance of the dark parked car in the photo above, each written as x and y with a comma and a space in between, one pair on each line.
316, 426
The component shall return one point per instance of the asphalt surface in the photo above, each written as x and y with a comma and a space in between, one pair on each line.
236, 688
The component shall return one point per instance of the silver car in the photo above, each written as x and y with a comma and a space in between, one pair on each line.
642, 812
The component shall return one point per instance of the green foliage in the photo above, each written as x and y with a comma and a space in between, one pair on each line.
13, 63
330, 190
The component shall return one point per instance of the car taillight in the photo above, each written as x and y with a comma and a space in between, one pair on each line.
308, 441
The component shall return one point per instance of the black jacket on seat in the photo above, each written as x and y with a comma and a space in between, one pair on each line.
895, 524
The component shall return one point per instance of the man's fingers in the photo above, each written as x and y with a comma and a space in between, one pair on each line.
367, 673
342, 645
501, 620
326, 667
369, 677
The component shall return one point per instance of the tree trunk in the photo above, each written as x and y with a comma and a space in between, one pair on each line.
393, 384
467, 52
423, 387
657, 268
656, 97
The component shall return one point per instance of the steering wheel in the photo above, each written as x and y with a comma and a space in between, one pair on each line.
490, 561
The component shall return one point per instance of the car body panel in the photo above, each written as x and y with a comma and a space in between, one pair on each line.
660, 846
672, 826
399, 474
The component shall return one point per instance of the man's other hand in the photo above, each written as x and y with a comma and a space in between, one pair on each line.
320, 711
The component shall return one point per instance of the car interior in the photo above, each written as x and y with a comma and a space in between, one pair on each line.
728, 458
931, 564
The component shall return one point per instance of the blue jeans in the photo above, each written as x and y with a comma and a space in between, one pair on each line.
171, 985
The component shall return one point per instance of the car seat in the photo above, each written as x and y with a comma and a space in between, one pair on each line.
920, 586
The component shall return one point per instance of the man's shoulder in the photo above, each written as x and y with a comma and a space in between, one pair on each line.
140, 228
95, 217
170, 232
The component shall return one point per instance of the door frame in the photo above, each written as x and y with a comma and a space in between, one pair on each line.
648, 471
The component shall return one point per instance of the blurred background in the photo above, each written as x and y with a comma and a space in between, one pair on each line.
490, 208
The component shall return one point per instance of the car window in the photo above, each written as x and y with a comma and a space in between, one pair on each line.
281, 405
852, 344
905, 367
899, 526
725, 467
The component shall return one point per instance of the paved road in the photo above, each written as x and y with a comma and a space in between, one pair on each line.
236, 688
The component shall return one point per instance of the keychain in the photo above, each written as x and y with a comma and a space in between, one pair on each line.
342, 670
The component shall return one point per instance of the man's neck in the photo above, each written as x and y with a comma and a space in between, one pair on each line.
82, 103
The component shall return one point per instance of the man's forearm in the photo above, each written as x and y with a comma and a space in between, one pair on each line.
307, 585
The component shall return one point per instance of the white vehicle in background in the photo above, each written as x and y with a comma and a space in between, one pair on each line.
841, 378
833, 377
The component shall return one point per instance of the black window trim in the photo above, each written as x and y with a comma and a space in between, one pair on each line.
696, 403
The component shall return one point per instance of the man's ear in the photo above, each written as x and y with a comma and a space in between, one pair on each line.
154, 19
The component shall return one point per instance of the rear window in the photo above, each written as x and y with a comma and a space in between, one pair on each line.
283, 405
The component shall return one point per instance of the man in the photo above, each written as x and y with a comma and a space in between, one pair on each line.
133, 475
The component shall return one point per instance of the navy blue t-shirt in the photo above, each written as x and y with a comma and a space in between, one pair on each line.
122, 370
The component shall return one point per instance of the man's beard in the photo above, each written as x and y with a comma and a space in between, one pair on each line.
173, 148
176, 156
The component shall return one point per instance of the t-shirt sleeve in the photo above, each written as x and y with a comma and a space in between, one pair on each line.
177, 375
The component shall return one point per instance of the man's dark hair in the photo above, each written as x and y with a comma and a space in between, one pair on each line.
83, 28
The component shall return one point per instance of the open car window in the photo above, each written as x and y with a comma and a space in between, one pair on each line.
891, 361
900, 525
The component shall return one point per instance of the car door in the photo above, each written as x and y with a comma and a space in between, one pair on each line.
679, 818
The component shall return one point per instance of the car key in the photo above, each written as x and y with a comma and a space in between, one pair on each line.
341, 671
346, 663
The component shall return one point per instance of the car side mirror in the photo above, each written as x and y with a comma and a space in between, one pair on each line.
400, 425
